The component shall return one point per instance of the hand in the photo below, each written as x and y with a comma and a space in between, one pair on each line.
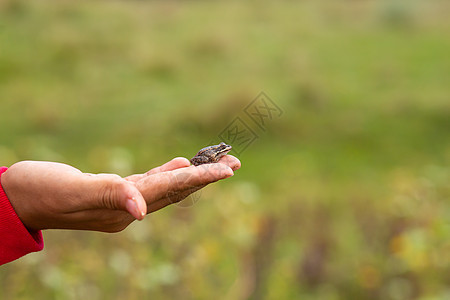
49, 195
177, 179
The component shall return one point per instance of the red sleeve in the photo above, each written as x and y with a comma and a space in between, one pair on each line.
15, 239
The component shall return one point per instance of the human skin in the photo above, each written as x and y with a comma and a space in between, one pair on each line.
48, 195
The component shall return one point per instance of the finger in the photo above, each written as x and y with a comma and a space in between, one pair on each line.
165, 184
171, 199
176, 163
233, 162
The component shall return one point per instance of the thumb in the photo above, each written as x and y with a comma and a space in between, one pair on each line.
121, 194
134, 201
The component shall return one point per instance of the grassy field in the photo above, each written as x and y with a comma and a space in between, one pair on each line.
344, 196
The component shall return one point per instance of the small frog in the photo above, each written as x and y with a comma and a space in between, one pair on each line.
210, 154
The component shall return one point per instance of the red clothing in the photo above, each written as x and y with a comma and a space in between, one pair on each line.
15, 239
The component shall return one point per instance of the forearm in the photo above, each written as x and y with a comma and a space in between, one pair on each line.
15, 239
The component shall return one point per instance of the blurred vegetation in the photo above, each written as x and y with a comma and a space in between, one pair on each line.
346, 196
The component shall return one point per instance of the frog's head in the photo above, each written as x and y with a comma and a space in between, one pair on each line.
220, 150
223, 148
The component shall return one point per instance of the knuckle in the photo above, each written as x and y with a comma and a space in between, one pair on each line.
111, 192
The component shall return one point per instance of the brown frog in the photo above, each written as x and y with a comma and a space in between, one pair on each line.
210, 154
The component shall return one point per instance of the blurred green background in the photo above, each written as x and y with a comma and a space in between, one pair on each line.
345, 196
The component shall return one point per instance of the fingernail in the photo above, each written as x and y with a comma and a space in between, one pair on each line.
132, 208
140, 212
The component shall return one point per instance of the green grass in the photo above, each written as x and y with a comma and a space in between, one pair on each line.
344, 197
